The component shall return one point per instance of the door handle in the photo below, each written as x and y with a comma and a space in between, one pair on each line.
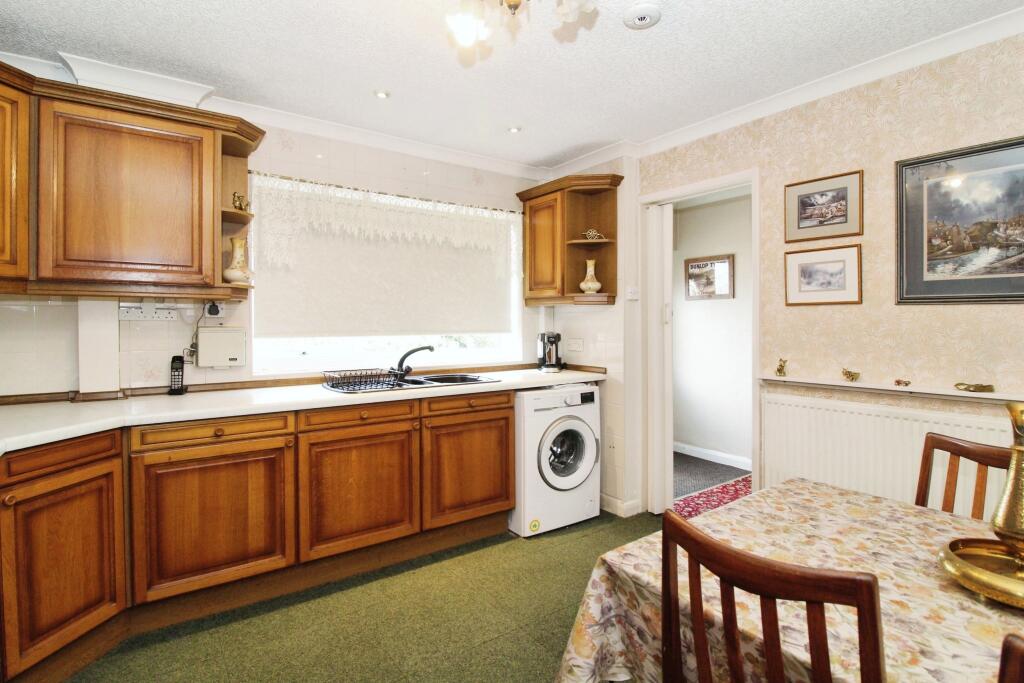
218, 432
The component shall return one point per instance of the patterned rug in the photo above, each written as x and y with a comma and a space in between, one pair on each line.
711, 498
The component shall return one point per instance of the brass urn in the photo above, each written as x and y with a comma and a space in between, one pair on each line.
1008, 522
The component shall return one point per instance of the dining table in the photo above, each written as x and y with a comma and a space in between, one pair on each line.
933, 629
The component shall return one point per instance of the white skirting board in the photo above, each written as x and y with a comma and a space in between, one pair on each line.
713, 456
620, 508
871, 448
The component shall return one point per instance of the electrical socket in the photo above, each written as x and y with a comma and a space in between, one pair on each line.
146, 313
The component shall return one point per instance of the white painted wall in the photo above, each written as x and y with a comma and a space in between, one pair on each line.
712, 339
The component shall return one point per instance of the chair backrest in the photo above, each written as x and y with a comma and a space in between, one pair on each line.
986, 456
772, 581
1011, 664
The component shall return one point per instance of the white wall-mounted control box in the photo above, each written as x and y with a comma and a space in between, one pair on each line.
221, 347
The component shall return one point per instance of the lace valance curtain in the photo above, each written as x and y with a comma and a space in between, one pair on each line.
332, 261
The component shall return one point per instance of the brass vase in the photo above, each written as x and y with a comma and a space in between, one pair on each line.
1008, 522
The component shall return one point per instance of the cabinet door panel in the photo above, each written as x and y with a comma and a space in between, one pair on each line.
211, 514
468, 466
358, 486
14, 150
124, 197
543, 246
62, 548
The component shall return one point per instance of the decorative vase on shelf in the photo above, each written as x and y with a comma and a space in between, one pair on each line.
590, 285
238, 271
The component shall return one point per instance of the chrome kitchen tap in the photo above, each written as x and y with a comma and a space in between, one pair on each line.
402, 369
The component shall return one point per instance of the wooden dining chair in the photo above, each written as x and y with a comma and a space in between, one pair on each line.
1011, 664
771, 581
986, 456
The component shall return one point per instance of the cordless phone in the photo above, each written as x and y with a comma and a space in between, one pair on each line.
177, 376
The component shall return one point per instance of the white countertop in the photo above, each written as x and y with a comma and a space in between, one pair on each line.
22, 426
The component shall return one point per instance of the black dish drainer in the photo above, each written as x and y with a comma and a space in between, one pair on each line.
368, 379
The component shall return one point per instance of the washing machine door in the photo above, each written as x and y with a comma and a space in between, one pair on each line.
567, 454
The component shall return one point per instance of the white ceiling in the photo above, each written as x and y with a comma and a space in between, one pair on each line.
573, 89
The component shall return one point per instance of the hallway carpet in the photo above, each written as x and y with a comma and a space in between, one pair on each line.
692, 474
495, 610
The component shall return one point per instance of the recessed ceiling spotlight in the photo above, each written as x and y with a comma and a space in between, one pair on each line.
319, 156
642, 15
382, 94
515, 129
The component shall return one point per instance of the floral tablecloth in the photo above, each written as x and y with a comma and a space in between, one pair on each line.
933, 629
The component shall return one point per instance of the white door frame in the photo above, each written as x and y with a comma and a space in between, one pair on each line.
656, 244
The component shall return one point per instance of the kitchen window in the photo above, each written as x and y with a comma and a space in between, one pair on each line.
347, 279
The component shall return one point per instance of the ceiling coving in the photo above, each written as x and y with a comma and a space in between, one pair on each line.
474, 20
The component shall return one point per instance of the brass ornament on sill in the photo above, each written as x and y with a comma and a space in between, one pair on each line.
994, 568
902, 382
850, 375
974, 388
780, 369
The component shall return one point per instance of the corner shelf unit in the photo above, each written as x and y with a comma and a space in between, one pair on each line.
234, 177
555, 217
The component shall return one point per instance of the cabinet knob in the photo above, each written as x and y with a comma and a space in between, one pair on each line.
218, 432
10, 499
289, 443
427, 424
472, 403
415, 425
364, 415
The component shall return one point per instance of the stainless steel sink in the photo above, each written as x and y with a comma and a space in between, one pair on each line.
456, 379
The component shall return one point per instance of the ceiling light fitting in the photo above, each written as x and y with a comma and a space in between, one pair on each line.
642, 15
382, 94
515, 129
468, 26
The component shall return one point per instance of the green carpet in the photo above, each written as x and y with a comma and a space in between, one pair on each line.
495, 610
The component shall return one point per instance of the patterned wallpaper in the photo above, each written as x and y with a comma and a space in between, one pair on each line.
970, 98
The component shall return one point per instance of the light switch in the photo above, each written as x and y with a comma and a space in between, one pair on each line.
574, 344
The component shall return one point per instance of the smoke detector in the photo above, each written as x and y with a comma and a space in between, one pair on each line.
641, 15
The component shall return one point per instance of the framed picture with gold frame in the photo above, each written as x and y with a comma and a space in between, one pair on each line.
825, 207
817, 277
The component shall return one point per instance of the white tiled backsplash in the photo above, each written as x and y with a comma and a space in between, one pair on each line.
38, 345
146, 346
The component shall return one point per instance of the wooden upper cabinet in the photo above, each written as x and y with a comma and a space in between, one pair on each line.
124, 197
543, 230
556, 218
62, 554
14, 157
207, 515
468, 466
358, 486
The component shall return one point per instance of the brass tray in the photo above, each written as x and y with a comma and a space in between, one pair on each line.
985, 566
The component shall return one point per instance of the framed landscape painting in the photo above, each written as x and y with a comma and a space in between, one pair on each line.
823, 276
825, 207
710, 277
960, 226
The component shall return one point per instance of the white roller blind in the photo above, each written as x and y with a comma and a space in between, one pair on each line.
335, 262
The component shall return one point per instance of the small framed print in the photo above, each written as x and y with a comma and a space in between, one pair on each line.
823, 276
710, 277
825, 207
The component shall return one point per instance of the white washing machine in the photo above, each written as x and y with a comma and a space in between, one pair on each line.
558, 446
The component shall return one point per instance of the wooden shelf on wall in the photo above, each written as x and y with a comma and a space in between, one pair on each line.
233, 215
589, 243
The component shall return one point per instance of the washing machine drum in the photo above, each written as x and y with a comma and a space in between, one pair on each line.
567, 454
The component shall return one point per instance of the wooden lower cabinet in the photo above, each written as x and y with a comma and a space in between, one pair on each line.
358, 486
207, 515
468, 466
62, 559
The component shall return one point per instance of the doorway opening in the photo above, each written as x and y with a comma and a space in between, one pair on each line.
658, 259
712, 340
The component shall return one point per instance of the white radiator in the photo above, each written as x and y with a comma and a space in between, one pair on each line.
869, 448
